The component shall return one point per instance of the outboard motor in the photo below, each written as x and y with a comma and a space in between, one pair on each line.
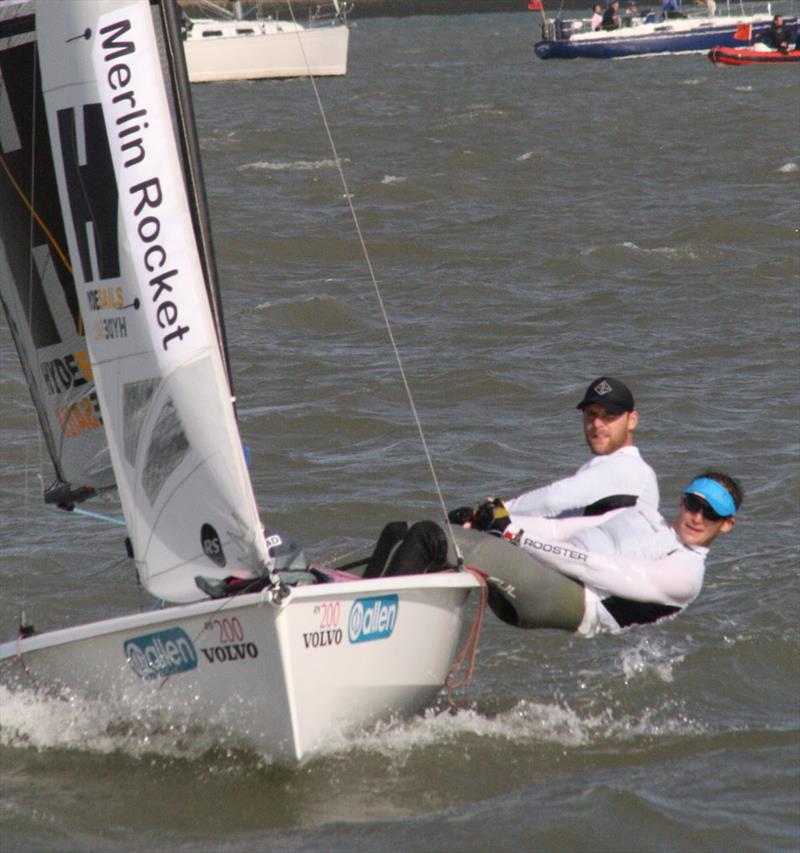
564, 29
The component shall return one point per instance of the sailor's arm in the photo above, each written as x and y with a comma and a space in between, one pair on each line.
556, 528
674, 579
570, 494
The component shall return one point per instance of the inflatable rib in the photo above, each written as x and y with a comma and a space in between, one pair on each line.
749, 56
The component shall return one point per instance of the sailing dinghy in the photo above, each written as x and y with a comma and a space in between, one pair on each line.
108, 281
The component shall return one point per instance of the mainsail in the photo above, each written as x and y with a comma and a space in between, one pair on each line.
36, 282
156, 354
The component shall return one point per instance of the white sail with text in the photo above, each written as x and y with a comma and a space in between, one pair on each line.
36, 282
155, 350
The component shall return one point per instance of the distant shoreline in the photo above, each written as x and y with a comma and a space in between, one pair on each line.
385, 8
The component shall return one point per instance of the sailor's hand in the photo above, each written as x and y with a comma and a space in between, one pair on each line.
464, 516
491, 517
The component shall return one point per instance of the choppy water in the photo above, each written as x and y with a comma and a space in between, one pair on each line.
532, 225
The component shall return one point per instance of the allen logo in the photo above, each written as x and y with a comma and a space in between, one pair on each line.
372, 618
161, 654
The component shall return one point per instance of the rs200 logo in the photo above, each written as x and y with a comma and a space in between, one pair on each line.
161, 654
372, 618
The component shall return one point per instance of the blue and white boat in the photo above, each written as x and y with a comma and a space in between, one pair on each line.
650, 33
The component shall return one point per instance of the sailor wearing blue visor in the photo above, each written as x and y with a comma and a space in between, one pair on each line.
638, 568
707, 509
634, 567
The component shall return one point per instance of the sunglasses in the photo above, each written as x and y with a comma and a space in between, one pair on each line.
694, 504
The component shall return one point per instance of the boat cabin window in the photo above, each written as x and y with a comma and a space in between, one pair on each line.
244, 31
208, 33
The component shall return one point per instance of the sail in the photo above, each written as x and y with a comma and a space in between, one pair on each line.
155, 351
36, 283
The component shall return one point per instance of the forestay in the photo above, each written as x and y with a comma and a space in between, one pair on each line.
156, 356
36, 286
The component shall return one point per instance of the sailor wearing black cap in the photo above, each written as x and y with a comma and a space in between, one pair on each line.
615, 476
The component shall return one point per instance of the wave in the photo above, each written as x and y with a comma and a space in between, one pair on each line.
31, 718
293, 166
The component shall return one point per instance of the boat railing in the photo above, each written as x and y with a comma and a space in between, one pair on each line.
330, 13
319, 15
215, 10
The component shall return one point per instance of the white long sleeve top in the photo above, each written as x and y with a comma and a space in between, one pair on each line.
623, 472
634, 555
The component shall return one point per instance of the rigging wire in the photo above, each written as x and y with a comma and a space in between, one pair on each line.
27, 487
72, 410
30, 205
379, 295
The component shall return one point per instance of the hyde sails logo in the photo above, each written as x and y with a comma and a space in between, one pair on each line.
372, 618
161, 654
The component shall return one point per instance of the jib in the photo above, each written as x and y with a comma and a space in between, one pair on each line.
234, 651
71, 371
319, 639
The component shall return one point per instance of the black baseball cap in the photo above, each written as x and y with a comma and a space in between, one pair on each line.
614, 396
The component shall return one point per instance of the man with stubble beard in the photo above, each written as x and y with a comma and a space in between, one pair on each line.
615, 476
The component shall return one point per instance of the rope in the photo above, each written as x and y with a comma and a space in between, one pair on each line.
378, 294
89, 514
456, 680
108, 567
38, 219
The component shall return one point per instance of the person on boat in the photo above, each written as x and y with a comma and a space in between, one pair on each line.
631, 12
597, 16
634, 568
611, 16
670, 9
616, 475
777, 36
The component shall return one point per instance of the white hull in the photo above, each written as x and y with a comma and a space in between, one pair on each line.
285, 678
273, 50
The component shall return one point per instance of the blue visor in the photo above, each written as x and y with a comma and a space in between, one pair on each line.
714, 494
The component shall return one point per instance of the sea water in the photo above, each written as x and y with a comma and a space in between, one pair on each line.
531, 225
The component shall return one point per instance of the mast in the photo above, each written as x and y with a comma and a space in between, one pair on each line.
192, 168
